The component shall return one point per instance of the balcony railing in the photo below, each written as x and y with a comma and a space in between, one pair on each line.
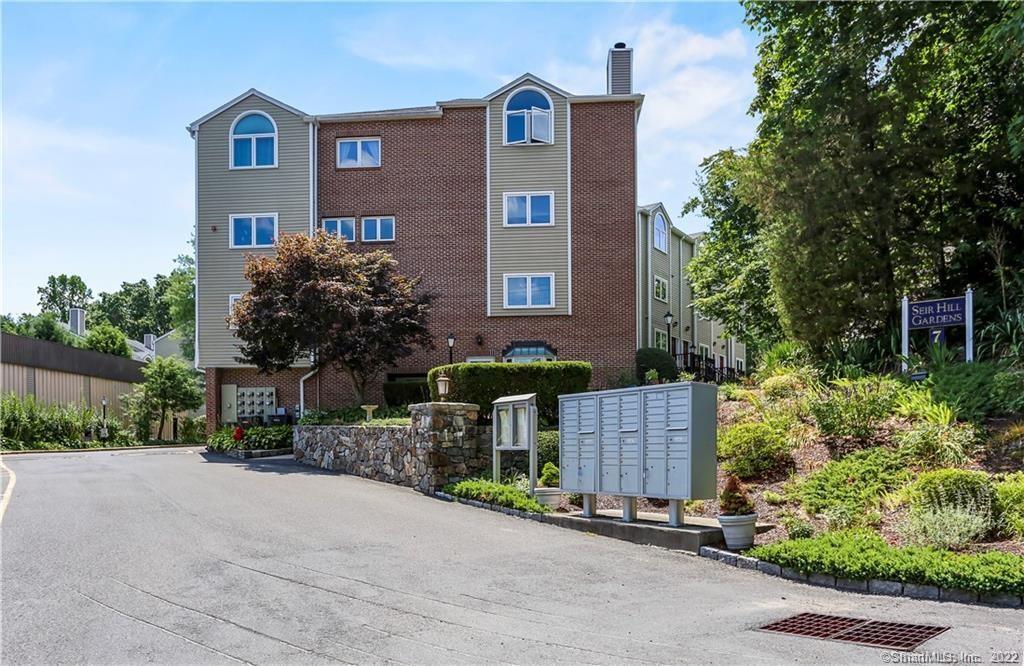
705, 370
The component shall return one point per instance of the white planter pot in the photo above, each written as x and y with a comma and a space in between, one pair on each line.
549, 497
738, 530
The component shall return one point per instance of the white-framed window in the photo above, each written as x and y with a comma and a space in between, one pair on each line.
358, 152
529, 117
252, 230
740, 364
529, 209
342, 227
529, 290
378, 229
705, 351
252, 143
661, 339
232, 299
661, 233
661, 289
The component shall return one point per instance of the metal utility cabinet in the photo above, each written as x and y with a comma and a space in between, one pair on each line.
650, 441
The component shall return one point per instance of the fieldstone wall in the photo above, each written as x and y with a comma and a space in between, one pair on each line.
443, 444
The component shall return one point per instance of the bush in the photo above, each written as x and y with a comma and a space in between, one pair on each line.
107, 339
917, 403
952, 487
727, 391
967, 386
947, 527
1008, 391
797, 528
192, 430
751, 450
783, 386
482, 383
1010, 504
263, 438
862, 555
222, 440
351, 415
547, 448
549, 475
854, 407
935, 445
734, 500
781, 357
28, 424
402, 394
652, 358
853, 485
773, 498
495, 493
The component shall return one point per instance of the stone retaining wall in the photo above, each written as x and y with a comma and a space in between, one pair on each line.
443, 444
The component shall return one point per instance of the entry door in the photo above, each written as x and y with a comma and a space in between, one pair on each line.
578, 444
619, 446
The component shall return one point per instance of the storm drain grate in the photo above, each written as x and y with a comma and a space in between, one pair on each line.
890, 635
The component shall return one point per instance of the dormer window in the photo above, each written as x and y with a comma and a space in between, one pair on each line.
528, 117
661, 233
253, 141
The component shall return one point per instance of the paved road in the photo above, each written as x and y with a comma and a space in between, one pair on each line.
173, 556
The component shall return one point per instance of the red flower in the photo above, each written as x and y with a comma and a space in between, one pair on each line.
238, 434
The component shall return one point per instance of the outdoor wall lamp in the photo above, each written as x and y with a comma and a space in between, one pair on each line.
479, 339
442, 386
668, 319
451, 346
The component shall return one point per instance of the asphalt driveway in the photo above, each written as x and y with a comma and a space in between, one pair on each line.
175, 556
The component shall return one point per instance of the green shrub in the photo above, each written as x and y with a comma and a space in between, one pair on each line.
263, 438
1010, 504
952, 487
862, 555
192, 430
222, 440
404, 393
783, 386
781, 357
751, 450
935, 445
351, 415
727, 391
917, 403
797, 528
948, 527
652, 358
734, 499
854, 407
967, 386
549, 475
773, 498
547, 448
482, 383
853, 485
495, 493
28, 424
1008, 391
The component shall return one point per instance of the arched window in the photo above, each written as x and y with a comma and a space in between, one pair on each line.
660, 233
253, 141
528, 117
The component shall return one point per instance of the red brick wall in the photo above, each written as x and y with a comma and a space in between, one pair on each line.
433, 180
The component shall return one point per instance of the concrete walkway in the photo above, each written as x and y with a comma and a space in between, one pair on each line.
176, 556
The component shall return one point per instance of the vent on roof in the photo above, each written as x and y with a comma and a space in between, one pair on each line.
620, 70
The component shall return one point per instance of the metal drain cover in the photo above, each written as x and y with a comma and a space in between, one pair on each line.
889, 635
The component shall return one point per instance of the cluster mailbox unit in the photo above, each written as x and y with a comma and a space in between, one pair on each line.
649, 441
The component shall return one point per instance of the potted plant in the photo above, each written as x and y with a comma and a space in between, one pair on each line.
548, 493
736, 515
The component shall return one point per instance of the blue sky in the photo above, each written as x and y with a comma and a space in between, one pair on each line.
98, 169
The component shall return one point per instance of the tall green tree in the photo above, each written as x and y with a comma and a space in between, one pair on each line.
108, 340
136, 308
180, 299
730, 275
61, 293
45, 326
170, 386
885, 162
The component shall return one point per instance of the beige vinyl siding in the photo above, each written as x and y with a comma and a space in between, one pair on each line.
15, 378
529, 168
662, 265
54, 387
685, 295
223, 192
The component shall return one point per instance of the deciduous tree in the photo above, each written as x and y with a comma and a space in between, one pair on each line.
61, 293
170, 386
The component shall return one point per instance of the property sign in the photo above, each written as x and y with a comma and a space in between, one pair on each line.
939, 313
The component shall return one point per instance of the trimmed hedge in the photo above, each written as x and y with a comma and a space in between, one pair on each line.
652, 358
863, 555
482, 383
401, 394
495, 493
256, 438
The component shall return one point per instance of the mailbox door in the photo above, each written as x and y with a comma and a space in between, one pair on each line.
678, 442
655, 437
619, 446
578, 444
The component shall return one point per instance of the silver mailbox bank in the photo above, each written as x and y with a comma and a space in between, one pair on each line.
650, 441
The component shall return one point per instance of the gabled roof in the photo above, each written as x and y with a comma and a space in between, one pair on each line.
651, 208
248, 93
522, 79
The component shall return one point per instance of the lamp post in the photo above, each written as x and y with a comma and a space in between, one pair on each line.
668, 327
451, 346
103, 429
442, 386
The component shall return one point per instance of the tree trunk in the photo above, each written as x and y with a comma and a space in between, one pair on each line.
163, 418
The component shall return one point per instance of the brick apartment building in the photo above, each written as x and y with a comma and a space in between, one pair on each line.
518, 209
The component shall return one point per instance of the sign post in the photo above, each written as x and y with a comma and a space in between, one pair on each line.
937, 315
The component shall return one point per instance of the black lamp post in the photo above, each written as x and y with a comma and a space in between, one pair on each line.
451, 346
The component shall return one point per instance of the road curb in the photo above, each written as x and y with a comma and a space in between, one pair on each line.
99, 449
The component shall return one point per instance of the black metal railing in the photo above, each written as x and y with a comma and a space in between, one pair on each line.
705, 370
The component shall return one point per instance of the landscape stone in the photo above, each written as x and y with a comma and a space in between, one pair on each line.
889, 587
769, 568
920, 591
